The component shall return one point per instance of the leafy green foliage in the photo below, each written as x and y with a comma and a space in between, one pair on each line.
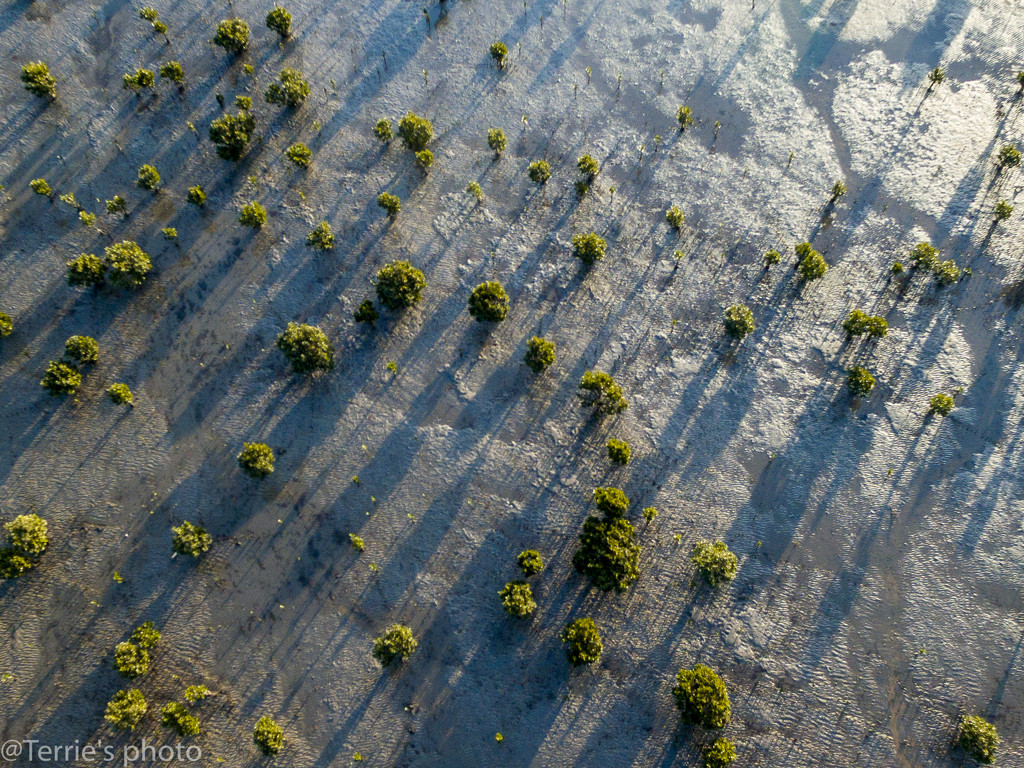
476, 190
618, 451
81, 349
136, 81
702, 698
149, 178
88, 269
6, 325
1009, 156
810, 264
41, 187
540, 354
721, 753
539, 171
925, 256
499, 52
588, 248
190, 539
146, 635
424, 159
127, 263
859, 381
252, 215
131, 660
935, 77
268, 736
400, 285
299, 154
291, 91
357, 542
517, 599
172, 70
256, 460
243, 103
674, 216
382, 130
390, 203
126, 709
366, 312
307, 348
771, 258
27, 535
941, 404
38, 81
684, 116
321, 237
396, 644
978, 738
897, 267
608, 554
232, 35
1003, 210
120, 394
13, 564
415, 131
583, 642
739, 321
588, 168
61, 378
169, 233
496, 140
650, 513
488, 303
280, 21
117, 204
176, 716
947, 273
611, 501
599, 391
231, 134
197, 196
196, 693
714, 561
859, 323
530, 562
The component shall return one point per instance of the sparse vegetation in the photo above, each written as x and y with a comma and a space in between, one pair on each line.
475, 190
588, 168
61, 378
599, 391
366, 312
684, 116
190, 539
583, 642
88, 270
859, 381
935, 77
232, 35
196, 693
499, 52
396, 644
838, 190
771, 258
714, 561
530, 562
268, 736
399, 285
173, 71
1009, 157
252, 215
674, 216
540, 354
721, 753
38, 81
588, 248
146, 635
196, 196
256, 460
382, 130
131, 660
149, 178
291, 90
176, 716
307, 348
517, 599
739, 321
618, 451
424, 159
488, 303
6, 325
540, 171
702, 698
136, 81
978, 738
117, 204
321, 237
41, 187
611, 501
81, 350
1003, 210
126, 709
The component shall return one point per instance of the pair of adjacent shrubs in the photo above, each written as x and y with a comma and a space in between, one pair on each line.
516, 596
64, 376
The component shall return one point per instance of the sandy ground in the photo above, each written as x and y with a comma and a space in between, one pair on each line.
879, 592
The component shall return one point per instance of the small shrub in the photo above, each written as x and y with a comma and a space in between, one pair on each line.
897, 267
811, 265
838, 189
588, 168
583, 642
978, 738
739, 321
256, 460
1009, 157
1003, 210
396, 644
268, 736
170, 233
321, 237
6, 325
38, 81
61, 378
196, 196
243, 103
231, 134
172, 71
400, 285
13, 564
684, 116
608, 554
252, 215
540, 171
859, 323
540, 354
117, 205
588, 248
530, 562
88, 270
190, 539
131, 660
611, 501
175, 716
947, 273
141, 78
41, 187
280, 21
675, 217
618, 451
81, 350
475, 190
714, 561
935, 77
859, 381
357, 543
148, 178
517, 599
599, 391
415, 131
499, 52
27, 535
69, 199
307, 348
291, 91
196, 693
496, 141
702, 698
146, 635
299, 154
120, 394
382, 130
126, 709
941, 404
390, 203
650, 513
232, 35
721, 753
771, 258
87, 219
488, 303
424, 159
366, 312
925, 256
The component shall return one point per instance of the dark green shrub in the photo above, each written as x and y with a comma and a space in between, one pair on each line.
499, 52
190, 539
231, 134
243, 103
321, 238
941, 404
382, 130
268, 736
252, 215
488, 303
172, 71
117, 205
517, 599
684, 116
396, 644
366, 312
618, 451
860, 381
675, 217
27, 535
771, 258
935, 77
476, 190
197, 196
540, 354
41, 187
583, 642
175, 716
947, 272
280, 21
81, 350
87, 269
131, 660
256, 460
540, 171
978, 738
702, 698
1009, 157
13, 564
608, 554
149, 178
232, 35
810, 264
897, 267
299, 154
496, 141
141, 78
714, 561
126, 709
291, 91
400, 285
599, 391
611, 501
588, 168
925, 256
1003, 210
127, 263
61, 378
390, 203
146, 635
530, 562
739, 321
121, 394
721, 753
415, 131
588, 248
859, 323
36, 78
424, 159
307, 348
6, 325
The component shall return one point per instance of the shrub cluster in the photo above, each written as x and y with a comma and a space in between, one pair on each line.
196, 196
396, 644
721, 753
299, 154
149, 178
36, 78
499, 52
488, 303
61, 378
810, 264
131, 660
423, 160
611, 501
496, 141
173, 71
321, 237
926, 256
415, 131
530, 562
702, 698
141, 78
81, 350
539, 171
860, 381
674, 216
618, 451
232, 35
306, 347
365, 312
176, 716
231, 134
608, 554
714, 561
684, 116
382, 130
391, 204
583, 642
941, 404
599, 391
126, 709
120, 394
588, 168
252, 215
6, 325
978, 738
739, 321
280, 21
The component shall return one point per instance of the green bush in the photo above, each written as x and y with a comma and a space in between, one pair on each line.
141, 78
196, 693
36, 78
231, 134
488, 303
424, 159
771, 258
13, 564
190, 539
291, 91
714, 561
415, 131
6, 325
947, 272
81, 349
675, 217
925, 256
366, 312
618, 451
176, 716
172, 71
583, 642
307, 348
170, 233
27, 535
268, 736
860, 381
131, 660
859, 323
397, 643
530, 562
232, 35
476, 190
897, 267
599, 391
149, 178
588, 248
61, 378
299, 154
810, 264
702, 698
146, 635
721, 753
400, 285
126, 709
128, 264
539, 171
252, 215
978, 738
540, 354
611, 501
87, 269
117, 205
321, 237
1009, 157
197, 196
120, 394
684, 116
41, 187
739, 321
838, 189
588, 168
357, 542
650, 513
390, 203
517, 599
935, 77
499, 52
280, 21
256, 460
608, 554
941, 404
382, 131
496, 141
1003, 210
